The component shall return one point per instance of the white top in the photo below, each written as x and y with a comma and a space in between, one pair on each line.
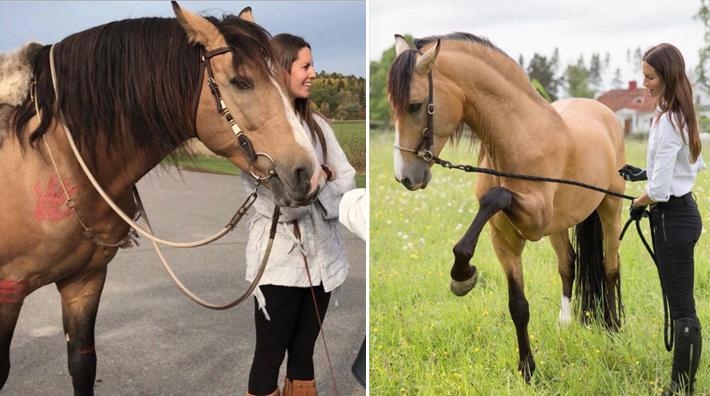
669, 170
321, 239
354, 208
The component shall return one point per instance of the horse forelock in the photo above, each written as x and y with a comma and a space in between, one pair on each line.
399, 80
249, 43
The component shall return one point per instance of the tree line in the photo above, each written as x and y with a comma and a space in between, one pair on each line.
339, 97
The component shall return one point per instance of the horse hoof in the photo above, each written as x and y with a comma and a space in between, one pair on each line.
463, 287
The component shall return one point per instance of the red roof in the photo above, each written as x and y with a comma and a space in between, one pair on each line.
632, 98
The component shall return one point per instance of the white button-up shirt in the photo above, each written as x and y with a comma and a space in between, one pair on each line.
669, 170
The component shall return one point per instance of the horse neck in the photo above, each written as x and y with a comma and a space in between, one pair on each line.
117, 169
510, 119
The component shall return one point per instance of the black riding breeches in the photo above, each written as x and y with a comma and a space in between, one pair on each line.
676, 226
293, 327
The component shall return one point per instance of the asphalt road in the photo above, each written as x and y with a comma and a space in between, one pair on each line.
150, 339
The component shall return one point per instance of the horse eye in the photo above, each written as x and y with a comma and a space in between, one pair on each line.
414, 107
240, 83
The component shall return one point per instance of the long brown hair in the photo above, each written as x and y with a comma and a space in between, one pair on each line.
677, 97
286, 47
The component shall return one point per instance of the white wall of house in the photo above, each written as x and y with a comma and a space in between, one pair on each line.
639, 122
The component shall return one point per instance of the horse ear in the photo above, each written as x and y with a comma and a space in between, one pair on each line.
426, 61
198, 29
400, 44
246, 15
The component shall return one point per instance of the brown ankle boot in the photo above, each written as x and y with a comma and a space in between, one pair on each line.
300, 388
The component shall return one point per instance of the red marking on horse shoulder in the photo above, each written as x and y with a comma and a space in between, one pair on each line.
88, 350
51, 200
12, 291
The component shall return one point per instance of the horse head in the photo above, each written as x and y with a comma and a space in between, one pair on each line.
425, 114
238, 61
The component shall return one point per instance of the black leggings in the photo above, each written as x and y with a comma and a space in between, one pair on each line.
676, 228
293, 327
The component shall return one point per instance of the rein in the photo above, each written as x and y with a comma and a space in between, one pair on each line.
244, 144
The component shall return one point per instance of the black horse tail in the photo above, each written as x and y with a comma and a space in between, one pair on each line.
591, 288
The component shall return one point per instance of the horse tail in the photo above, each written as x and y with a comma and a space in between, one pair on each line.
590, 290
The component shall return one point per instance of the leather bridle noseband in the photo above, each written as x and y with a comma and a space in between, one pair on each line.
242, 139
423, 149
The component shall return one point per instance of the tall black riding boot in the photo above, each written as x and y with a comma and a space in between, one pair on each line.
686, 356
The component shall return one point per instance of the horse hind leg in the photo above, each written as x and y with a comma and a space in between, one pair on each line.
464, 275
12, 294
80, 302
565, 265
610, 217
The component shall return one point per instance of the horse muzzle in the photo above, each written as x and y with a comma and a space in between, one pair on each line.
413, 184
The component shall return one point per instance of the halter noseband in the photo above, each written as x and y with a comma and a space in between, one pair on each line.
242, 139
423, 149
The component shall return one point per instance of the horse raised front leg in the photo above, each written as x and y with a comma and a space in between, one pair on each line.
464, 275
80, 303
12, 294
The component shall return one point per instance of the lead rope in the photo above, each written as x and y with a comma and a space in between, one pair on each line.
668, 333
297, 234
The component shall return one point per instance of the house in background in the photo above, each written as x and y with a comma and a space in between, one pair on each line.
633, 107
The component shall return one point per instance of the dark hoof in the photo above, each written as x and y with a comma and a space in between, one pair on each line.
461, 288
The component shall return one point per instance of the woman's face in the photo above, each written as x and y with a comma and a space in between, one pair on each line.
302, 74
652, 81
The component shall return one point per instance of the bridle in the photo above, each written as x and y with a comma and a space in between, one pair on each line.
423, 149
242, 139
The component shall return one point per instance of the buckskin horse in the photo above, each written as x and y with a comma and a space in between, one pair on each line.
457, 80
130, 92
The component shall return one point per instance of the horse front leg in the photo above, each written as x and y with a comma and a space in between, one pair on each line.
463, 274
508, 246
80, 302
12, 294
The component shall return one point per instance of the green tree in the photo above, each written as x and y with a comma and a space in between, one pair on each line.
379, 106
544, 70
577, 79
702, 69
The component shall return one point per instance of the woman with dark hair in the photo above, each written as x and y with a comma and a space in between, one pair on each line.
307, 261
673, 160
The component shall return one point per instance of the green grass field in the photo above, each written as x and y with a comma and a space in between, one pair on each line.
426, 341
350, 134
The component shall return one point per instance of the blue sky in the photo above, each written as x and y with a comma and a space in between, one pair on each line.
335, 29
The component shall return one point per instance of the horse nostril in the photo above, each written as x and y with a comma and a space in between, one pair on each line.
303, 177
406, 182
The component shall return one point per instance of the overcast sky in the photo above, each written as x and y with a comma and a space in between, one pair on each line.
527, 26
335, 29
